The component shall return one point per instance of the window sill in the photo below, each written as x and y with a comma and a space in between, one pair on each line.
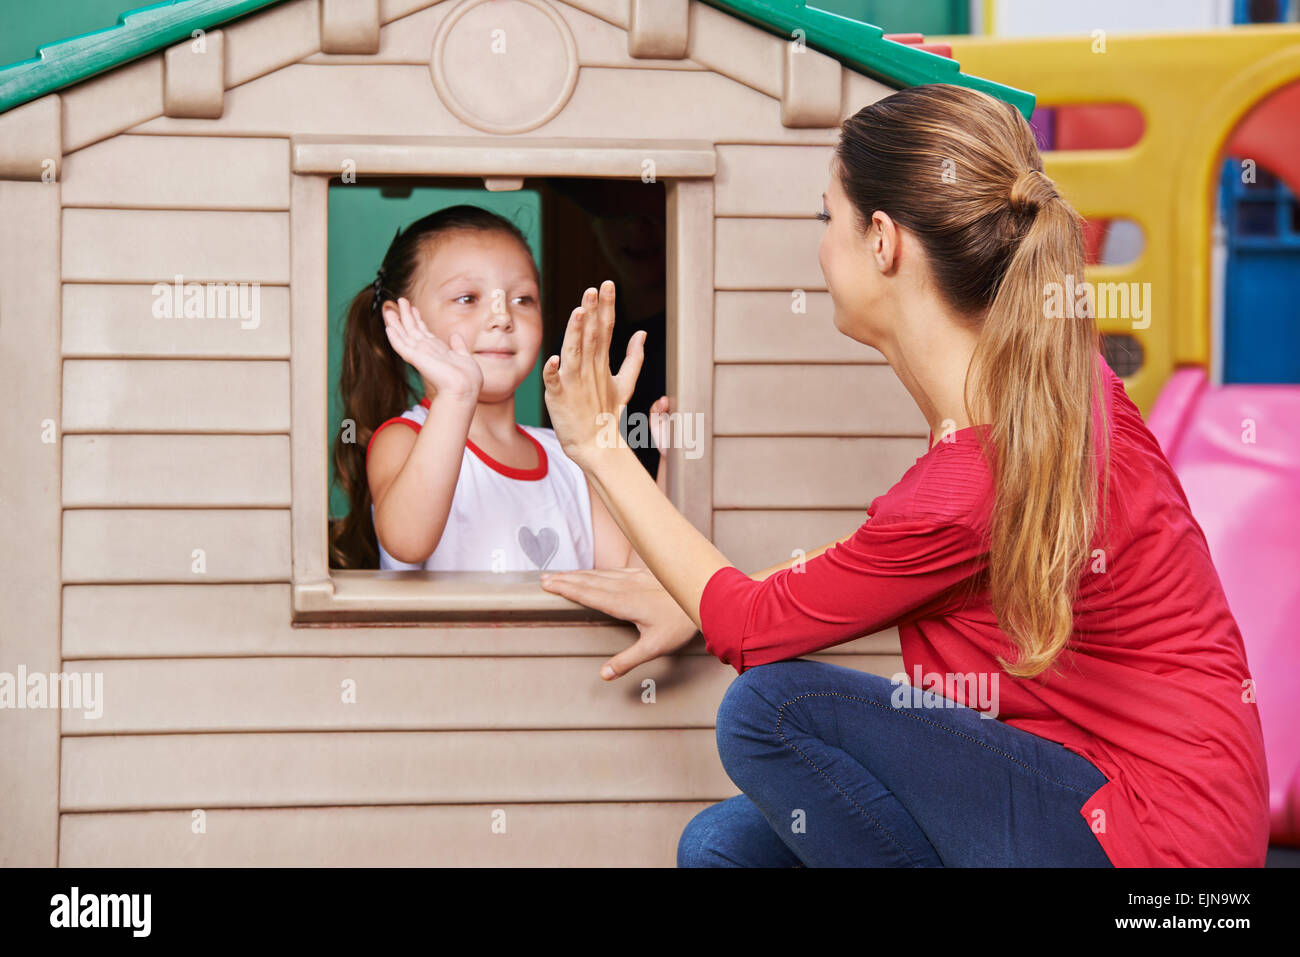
425, 596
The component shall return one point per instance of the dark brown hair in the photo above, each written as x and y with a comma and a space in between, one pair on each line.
373, 379
961, 170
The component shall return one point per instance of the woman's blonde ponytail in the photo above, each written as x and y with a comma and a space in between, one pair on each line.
1032, 372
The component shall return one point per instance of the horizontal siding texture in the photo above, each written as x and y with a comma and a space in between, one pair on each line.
176, 548
501, 834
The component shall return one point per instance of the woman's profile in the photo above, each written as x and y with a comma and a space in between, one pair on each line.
1078, 692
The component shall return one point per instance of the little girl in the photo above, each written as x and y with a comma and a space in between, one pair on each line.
461, 486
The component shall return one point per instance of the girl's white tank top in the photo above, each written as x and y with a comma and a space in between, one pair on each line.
509, 519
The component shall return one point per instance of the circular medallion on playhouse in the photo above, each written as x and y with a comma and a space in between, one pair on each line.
504, 66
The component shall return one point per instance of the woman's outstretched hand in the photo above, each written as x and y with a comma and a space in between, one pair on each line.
584, 400
449, 370
635, 595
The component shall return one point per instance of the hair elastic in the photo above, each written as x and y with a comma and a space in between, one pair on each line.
381, 277
378, 289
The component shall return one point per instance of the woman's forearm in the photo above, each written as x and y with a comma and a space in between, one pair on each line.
674, 550
634, 560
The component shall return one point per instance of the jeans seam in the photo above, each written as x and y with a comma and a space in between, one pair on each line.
934, 724
865, 813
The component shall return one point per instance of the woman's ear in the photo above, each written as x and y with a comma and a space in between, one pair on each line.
882, 241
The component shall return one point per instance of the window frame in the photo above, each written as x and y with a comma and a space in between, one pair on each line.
321, 595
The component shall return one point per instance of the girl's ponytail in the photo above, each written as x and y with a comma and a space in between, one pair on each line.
373, 385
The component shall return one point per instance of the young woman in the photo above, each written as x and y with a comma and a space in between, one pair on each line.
1078, 690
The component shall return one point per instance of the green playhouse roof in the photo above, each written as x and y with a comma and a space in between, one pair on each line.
863, 47
139, 32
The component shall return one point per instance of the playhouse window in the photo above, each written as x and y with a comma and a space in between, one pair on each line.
588, 214
579, 231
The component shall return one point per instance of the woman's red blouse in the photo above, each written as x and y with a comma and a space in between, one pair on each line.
1154, 688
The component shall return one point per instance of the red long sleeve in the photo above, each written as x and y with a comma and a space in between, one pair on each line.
890, 570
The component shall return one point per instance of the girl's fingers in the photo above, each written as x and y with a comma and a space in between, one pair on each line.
419, 322
397, 336
415, 328
395, 341
422, 338
404, 317
410, 336
407, 342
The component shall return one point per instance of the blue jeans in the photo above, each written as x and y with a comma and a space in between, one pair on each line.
836, 774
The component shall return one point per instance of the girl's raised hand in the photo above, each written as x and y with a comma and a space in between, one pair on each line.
449, 370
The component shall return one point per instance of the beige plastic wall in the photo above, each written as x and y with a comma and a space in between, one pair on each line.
174, 435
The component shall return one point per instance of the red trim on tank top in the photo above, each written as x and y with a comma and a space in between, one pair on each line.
383, 425
533, 474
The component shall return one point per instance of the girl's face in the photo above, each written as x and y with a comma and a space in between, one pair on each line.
482, 285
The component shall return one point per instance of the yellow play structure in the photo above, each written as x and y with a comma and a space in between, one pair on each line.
1192, 89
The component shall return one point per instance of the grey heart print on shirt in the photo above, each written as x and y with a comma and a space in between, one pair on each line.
540, 547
